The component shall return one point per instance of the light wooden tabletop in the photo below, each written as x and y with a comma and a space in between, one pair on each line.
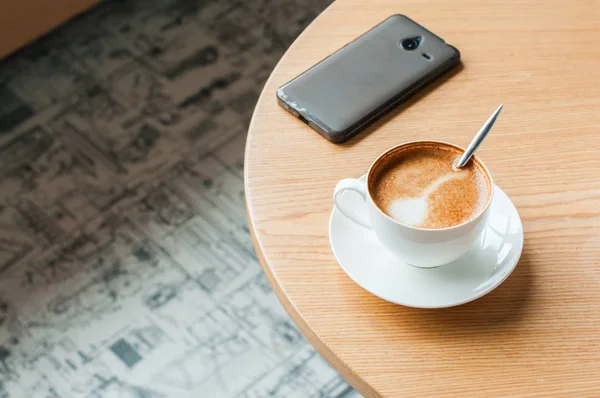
538, 334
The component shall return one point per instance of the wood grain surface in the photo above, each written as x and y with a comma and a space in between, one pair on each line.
22, 21
538, 334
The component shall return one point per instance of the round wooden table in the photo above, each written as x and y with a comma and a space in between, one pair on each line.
538, 334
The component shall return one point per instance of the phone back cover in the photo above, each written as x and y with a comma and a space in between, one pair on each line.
351, 84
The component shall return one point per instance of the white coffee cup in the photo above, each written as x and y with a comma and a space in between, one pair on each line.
426, 248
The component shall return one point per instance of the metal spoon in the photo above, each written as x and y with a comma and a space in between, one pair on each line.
478, 139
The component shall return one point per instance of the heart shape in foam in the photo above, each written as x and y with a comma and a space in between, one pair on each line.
414, 211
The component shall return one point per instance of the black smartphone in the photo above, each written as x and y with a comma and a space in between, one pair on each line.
360, 82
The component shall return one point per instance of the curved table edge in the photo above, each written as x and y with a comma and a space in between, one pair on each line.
315, 340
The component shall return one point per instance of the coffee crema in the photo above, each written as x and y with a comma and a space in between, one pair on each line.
416, 185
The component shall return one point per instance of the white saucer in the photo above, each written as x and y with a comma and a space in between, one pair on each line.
487, 264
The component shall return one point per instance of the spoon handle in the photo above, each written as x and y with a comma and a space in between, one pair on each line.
478, 139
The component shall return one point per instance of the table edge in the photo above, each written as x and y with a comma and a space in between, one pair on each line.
313, 337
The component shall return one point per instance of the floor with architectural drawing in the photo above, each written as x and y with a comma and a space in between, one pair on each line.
126, 266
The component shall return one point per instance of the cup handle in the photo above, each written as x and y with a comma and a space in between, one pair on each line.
359, 216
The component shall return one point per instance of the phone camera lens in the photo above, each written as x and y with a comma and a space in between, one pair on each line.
411, 44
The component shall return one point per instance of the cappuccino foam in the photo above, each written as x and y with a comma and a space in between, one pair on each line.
416, 185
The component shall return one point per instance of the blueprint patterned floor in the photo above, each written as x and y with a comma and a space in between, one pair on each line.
126, 265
